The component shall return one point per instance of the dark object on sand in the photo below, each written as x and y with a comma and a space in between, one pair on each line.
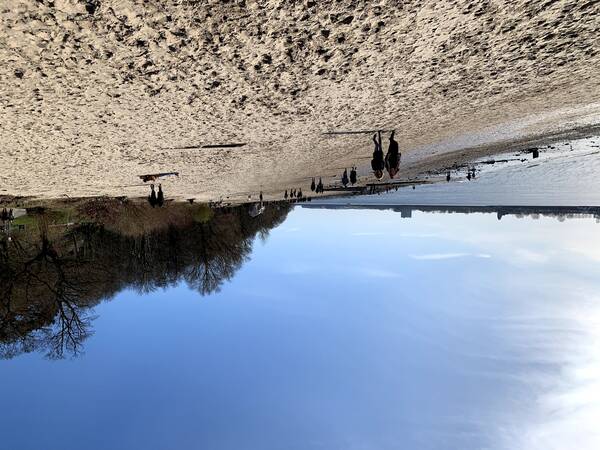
345, 179
192, 147
156, 176
392, 159
222, 145
334, 133
320, 187
152, 197
378, 163
353, 177
313, 185
160, 199
448, 176
535, 153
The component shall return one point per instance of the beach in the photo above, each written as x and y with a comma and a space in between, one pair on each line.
94, 94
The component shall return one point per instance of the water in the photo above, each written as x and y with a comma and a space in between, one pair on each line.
339, 329
565, 174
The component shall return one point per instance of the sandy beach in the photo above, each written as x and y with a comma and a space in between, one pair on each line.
94, 93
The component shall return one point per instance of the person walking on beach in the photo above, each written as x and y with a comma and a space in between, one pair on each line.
378, 163
160, 199
285, 196
313, 185
448, 176
353, 177
345, 178
152, 196
320, 186
392, 159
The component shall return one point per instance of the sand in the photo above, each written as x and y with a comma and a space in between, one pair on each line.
93, 94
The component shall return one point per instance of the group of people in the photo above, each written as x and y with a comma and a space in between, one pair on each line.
390, 162
353, 177
470, 175
7, 215
156, 199
317, 187
294, 193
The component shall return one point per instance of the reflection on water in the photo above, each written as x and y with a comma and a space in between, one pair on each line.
345, 329
560, 174
50, 278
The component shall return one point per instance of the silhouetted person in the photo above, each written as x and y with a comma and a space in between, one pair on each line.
345, 179
469, 175
473, 175
160, 198
378, 163
353, 177
299, 194
152, 198
320, 188
313, 185
536, 153
448, 176
285, 196
260, 196
392, 159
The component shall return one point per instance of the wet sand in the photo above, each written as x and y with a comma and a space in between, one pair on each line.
91, 97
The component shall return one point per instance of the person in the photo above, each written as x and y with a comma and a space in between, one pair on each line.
469, 175
260, 196
392, 159
448, 176
160, 199
353, 177
345, 178
313, 185
285, 196
152, 197
320, 186
377, 163
473, 175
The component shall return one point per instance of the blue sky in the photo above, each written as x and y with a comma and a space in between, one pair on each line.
347, 329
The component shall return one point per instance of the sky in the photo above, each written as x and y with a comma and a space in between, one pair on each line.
346, 329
